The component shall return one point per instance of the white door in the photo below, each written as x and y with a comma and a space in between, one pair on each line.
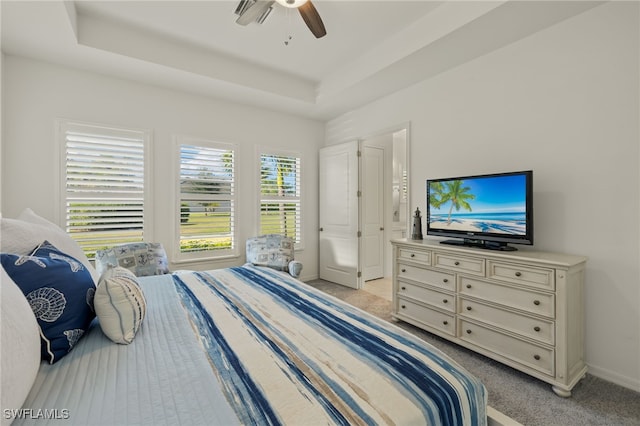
372, 212
339, 214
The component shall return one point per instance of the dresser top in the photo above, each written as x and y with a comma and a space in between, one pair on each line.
520, 255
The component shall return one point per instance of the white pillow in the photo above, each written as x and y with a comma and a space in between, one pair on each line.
120, 305
19, 343
23, 235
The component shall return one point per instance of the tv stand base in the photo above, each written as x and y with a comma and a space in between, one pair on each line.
488, 245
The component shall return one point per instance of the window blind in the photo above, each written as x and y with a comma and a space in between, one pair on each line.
104, 181
207, 198
280, 196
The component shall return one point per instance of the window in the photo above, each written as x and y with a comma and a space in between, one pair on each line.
280, 202
207, 199
104, 183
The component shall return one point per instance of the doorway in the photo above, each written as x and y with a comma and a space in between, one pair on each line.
372, 214
364, 193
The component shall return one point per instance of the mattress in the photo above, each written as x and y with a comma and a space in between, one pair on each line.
162, 378
252, 345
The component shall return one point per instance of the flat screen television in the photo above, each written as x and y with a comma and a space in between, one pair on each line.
487, 211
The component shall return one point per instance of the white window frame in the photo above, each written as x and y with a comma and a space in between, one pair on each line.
299, 244
63, 126
203, 255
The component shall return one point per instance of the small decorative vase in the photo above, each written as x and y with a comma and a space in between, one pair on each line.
295, 267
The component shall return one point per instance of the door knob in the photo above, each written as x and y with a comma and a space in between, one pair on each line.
321, 229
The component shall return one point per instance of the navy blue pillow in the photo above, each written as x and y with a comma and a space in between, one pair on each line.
60, 291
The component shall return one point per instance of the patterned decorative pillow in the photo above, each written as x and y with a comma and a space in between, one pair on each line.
140, 258
272, 250
60, 291
120, 305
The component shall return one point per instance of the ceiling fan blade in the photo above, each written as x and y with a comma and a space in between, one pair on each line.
254, 11
312, 19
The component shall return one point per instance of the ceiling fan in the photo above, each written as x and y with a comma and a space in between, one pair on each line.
258, 10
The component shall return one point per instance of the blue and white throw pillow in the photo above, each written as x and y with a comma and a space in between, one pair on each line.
60, 291
120, 304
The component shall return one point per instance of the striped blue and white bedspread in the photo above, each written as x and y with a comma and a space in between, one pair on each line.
286, 353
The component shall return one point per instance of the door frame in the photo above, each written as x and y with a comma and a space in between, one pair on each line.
388, 225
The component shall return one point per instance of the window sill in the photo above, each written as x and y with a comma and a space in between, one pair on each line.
205, 259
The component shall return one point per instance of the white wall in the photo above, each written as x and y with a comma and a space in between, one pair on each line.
35, 94
565, 103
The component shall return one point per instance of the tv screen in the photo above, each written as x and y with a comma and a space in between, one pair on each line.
487, 211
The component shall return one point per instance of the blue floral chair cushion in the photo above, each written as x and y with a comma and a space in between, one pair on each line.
272, 250
142, 259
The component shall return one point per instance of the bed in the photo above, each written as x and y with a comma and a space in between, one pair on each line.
247, 345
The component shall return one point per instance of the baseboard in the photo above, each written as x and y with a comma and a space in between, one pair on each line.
305, 278
613, 377
496, 418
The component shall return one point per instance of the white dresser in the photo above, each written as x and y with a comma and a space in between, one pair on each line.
522, 308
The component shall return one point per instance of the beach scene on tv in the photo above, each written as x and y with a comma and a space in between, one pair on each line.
490, 204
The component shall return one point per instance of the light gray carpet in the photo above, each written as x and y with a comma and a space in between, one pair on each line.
519, 396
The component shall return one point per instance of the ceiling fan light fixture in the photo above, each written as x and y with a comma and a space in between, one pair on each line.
292, 3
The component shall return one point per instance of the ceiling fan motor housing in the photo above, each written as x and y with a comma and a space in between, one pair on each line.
292, 3
258, 10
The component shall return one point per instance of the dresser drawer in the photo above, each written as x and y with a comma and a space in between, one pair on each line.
534, 328
424, 257
427, 276
519, 298
442, 300
430, 317
518, 274
531, 355
469, 265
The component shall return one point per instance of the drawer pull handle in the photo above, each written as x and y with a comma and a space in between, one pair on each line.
518, 274
536, 357
445, 322
413, 255
404, 307
445, 280
404, 288
536, 328
456, 263
468, 308
536, 302
468, 331
468, 285
445, 301
403, 270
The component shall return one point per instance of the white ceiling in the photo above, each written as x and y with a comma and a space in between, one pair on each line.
371, 49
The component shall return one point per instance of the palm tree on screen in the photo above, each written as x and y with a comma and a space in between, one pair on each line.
458, 195
436, 191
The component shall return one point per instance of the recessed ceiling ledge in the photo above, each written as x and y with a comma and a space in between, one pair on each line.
118, 38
